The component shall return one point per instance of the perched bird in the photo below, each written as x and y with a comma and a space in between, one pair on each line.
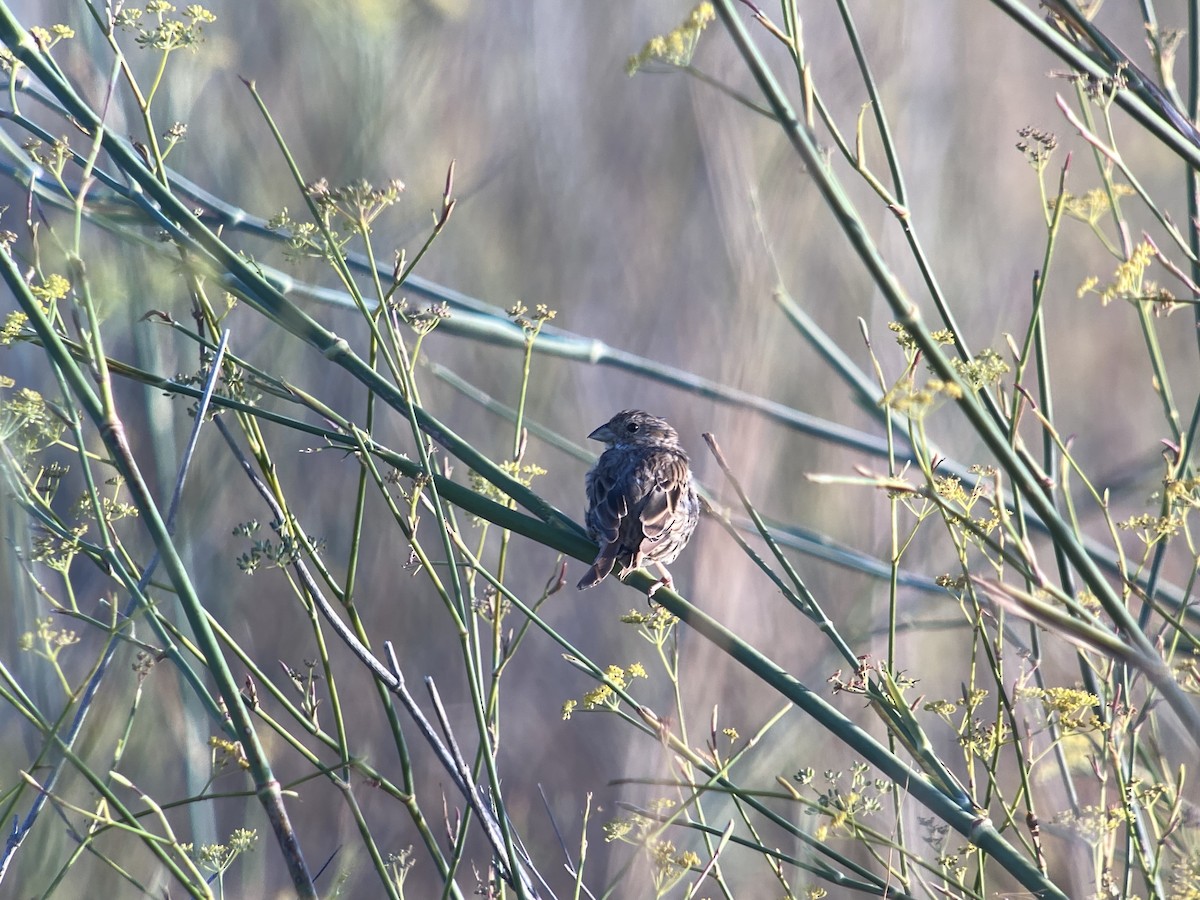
642, 503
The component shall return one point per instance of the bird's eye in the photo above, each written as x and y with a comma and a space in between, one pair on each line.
632, 427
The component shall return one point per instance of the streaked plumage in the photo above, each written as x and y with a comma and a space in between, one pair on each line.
642, 502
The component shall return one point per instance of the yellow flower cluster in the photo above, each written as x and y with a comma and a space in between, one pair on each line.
675, 48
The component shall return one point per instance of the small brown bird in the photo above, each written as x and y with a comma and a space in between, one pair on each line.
642, 503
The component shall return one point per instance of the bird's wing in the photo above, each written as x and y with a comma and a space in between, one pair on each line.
663, 488
607, 511
607, 504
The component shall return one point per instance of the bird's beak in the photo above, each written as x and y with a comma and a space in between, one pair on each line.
603, 433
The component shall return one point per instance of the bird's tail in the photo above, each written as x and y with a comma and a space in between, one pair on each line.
598, 572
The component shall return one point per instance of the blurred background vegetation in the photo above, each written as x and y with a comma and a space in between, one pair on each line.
659, 216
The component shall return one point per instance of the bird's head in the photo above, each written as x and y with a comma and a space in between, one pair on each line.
633, 427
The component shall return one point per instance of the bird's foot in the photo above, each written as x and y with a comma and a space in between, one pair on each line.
664, 582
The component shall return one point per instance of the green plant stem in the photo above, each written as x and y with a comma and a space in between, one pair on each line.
907, 313
1151, 119
111, 431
